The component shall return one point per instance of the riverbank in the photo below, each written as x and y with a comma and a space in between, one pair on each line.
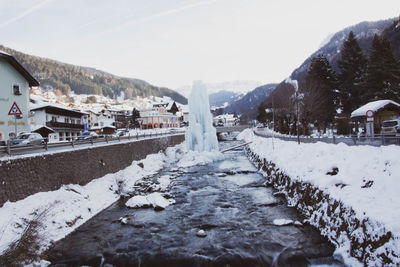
349, 193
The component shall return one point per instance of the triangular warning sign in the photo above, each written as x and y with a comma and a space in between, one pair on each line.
15, 110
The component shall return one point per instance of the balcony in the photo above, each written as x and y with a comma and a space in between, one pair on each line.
56, 124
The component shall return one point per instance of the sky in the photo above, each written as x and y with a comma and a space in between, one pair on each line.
173, 42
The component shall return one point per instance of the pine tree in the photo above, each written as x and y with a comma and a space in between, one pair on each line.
322, 76
383, 72
351, 78
135, 116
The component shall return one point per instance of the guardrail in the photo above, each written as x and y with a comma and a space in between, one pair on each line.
377, 140
12, 150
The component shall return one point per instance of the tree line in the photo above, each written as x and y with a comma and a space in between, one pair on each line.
325, 96
84, 80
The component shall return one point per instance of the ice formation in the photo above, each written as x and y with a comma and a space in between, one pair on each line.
201, 135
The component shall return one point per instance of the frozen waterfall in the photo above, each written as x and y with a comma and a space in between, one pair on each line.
201, 135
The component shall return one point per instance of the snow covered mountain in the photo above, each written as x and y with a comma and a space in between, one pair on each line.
364, 32
223, 98
238, 87
248, 104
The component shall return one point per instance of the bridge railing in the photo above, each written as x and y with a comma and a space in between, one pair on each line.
377, 140
26, 149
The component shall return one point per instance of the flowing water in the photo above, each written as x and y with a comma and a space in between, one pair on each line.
227, 199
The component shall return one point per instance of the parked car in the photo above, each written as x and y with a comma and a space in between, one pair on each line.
389, 127
87, 136
27, 139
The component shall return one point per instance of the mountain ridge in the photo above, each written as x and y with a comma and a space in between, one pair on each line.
66, 77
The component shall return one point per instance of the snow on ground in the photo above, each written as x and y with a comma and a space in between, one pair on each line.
367, 177
192, 158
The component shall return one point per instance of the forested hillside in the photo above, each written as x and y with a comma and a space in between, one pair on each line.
83, 80
364, 32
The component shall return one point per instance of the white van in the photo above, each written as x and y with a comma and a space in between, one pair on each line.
390, 127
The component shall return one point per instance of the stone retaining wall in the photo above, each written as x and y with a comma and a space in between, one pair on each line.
366, 240
22, 177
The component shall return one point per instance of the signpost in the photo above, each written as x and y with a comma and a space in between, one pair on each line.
370, 123
16, 111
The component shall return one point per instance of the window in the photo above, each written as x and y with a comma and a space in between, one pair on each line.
53, 118
16, 89
72, 121
66, 120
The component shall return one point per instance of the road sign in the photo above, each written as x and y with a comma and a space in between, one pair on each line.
369, 113
15, 110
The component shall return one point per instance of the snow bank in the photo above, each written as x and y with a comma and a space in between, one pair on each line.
192, 158
358, 184
155, 200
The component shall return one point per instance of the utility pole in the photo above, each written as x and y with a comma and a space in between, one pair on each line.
297, 115
273, 122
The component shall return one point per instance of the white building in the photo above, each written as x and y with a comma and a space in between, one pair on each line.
226, 120
98, 121
67, 123
161, 115
15, 82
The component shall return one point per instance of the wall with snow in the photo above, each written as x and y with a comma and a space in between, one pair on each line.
21, 177
366, 240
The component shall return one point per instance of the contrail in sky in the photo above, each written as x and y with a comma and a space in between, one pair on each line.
152, 17
25, 13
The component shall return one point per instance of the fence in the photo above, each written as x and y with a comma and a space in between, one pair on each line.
377, 140
13, 150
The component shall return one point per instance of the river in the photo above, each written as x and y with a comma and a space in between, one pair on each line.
228, 199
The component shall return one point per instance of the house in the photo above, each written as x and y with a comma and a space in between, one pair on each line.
381, 110
161, 115
225, 119
122, 118
66, 122
102, 122
15, 82
171, 107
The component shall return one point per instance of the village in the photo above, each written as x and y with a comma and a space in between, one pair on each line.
26, 108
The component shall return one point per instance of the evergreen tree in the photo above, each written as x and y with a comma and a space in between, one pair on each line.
135, 116
383, 72
322, 76
352, 65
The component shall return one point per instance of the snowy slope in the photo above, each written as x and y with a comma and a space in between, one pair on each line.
364, 179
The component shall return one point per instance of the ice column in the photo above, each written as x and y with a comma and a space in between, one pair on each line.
201, 135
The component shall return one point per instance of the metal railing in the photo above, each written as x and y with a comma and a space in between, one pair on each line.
26, 149
377, 140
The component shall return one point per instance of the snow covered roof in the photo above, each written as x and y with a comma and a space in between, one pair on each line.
55, 106
374, 106
37, 127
